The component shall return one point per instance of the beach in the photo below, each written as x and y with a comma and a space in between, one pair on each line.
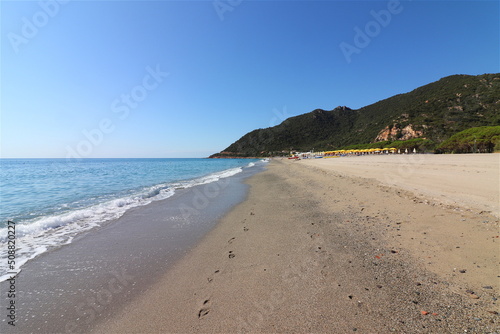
75, 286
342, 245
469, 180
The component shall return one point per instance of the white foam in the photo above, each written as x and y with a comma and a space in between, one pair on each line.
39, 235
209, 178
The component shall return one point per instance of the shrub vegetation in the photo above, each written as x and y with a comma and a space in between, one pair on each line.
484, 139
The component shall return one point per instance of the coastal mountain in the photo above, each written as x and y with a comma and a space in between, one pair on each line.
435, 111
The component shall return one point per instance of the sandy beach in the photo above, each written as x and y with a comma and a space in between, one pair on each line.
339, 246
467, 180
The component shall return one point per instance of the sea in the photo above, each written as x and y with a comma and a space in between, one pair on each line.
52, 201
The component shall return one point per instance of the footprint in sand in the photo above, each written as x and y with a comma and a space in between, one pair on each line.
210, 279
230, 241
204, 310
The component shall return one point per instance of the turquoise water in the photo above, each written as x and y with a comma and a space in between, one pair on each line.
53, 200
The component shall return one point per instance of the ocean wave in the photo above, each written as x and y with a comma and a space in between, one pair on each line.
38, 235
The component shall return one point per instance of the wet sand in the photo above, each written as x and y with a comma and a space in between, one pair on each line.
316, 249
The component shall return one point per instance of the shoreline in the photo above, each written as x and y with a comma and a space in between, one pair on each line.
313, 250
74, 287
66, 207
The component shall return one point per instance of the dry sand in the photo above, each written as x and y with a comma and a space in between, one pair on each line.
313, 250
467, 180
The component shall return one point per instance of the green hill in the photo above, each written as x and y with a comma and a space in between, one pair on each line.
435, 111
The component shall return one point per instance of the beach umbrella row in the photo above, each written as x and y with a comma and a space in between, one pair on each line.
368, 150
356, 151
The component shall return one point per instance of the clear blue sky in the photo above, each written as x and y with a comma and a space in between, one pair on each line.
184, 79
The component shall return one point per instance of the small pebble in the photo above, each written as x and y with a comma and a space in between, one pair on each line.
473, 296
487, 287
463, 271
